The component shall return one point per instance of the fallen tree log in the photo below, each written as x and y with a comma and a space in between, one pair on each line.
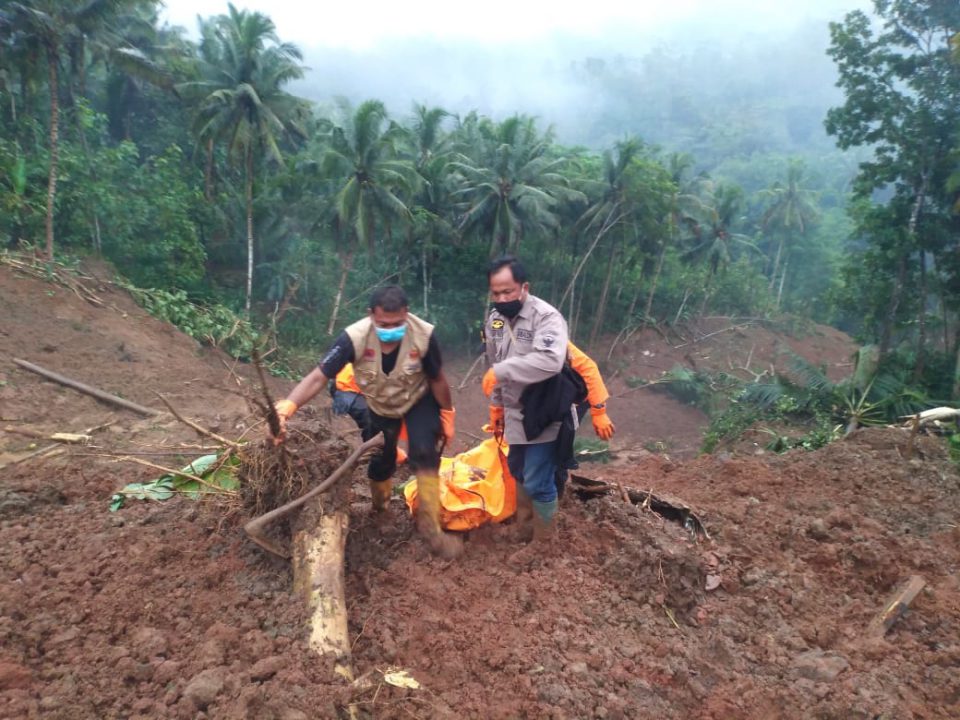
86, 389
319, 543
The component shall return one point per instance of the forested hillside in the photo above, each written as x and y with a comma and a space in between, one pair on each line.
193, 166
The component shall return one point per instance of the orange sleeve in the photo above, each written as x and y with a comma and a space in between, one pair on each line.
584, 365
346, 380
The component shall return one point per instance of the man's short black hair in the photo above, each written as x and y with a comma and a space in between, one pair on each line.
517, 269
391, 298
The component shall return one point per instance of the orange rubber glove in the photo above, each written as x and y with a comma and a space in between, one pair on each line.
448, 424
285, 410
401, 456
495, 425
488, 382
602, 424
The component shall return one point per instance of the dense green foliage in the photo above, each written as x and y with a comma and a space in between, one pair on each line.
194, 169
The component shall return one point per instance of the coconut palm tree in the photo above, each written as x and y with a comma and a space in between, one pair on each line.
510, 185
55, 27
791, 211
685, 206
240, 101
362, 157
432, 205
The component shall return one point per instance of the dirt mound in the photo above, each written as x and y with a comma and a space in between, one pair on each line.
166, 610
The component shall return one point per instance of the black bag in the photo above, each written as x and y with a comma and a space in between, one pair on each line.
550, 401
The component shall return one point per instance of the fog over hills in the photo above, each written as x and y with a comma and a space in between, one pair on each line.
676, 76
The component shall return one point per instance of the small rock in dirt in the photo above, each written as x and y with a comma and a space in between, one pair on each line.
267, 668
13, 676
204, 688
66, 636
166, 671
212, 652
554, 693
130, 669
50, 702
220, 631
148, 643
839, 519
752, 576
820, 666
817, 529
292, 714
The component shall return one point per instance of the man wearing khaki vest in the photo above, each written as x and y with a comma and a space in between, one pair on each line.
399, 370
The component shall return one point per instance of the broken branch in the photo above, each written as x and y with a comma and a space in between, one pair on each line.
202, 430
86, 389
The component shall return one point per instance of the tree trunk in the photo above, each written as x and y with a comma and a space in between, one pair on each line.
647, 313
52, 62
783, 279
897, 293
776, 264
956, 374
633, 302
208, 173
346, 262
426, 284
602, 305
683, 304
249, 194
576, 320
886, 333
96, 240
921, 321
607, 226
319, 542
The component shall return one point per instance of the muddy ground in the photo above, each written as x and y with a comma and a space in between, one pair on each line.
166, 610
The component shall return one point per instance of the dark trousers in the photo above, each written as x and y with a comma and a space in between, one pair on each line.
352, 404
424, 437
563, 471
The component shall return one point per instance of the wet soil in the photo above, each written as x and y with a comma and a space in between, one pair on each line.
166, 610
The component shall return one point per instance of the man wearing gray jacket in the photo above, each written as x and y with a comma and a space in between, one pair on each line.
526, 343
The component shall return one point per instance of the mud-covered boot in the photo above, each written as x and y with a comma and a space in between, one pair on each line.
380, 494
428, 519
544, 534
523, 521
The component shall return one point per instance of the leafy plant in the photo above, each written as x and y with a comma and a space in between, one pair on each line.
591, 450
218, 475
214, 325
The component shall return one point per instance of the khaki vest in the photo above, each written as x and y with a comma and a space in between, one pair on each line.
394, 394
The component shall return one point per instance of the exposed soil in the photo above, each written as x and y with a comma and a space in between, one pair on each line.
167, 610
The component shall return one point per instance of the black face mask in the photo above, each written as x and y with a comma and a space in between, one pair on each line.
509, 309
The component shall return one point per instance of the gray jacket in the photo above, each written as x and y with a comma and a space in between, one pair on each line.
531, 348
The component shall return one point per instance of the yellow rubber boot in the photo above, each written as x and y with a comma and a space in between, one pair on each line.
428, 519
380, 494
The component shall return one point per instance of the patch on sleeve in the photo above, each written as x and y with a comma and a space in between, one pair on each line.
546, 341
497, 324
369, 354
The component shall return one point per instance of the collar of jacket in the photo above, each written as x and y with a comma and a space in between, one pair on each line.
526, 309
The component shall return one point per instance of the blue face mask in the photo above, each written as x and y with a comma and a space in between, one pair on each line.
391, 335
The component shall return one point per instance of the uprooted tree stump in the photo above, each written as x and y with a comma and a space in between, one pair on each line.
317, 531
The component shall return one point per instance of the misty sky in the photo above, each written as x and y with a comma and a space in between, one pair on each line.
506, 56
363, 25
